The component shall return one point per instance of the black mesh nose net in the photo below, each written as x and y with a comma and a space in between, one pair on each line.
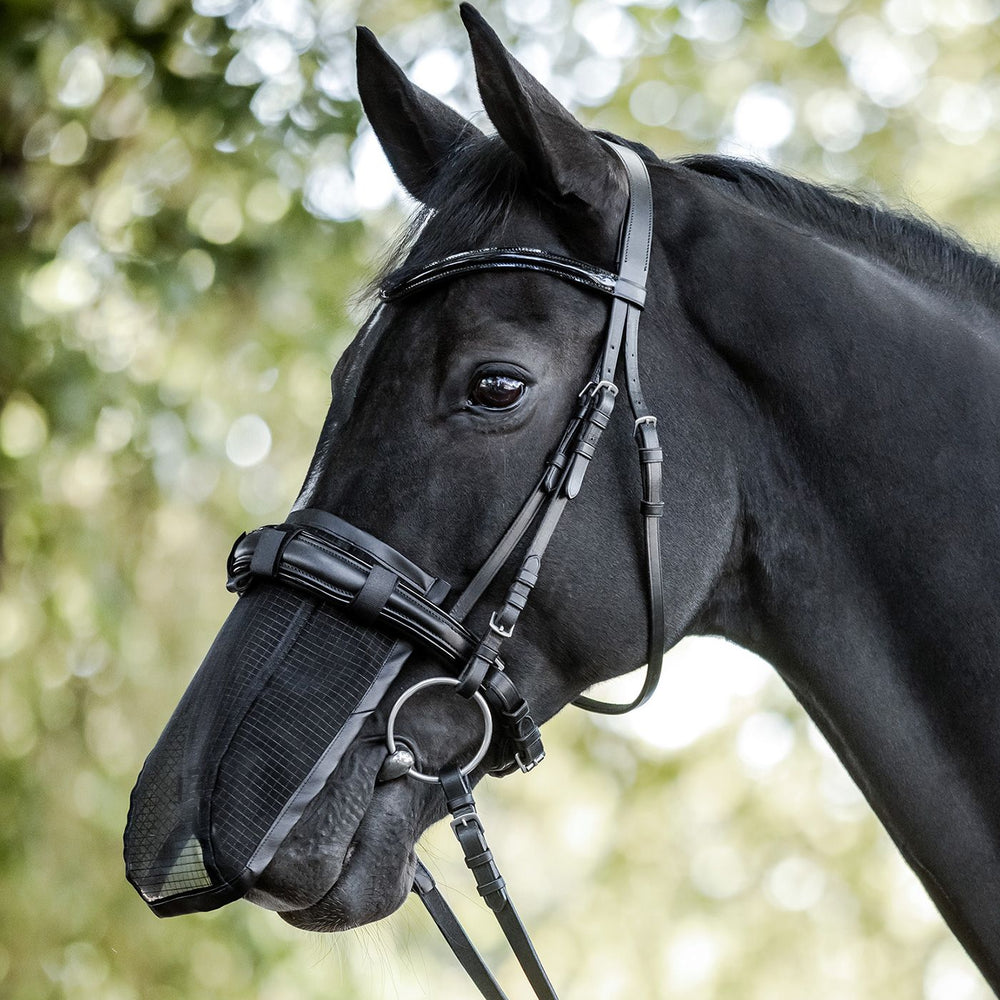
284, 689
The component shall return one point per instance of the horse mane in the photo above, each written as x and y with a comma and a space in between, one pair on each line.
923, 251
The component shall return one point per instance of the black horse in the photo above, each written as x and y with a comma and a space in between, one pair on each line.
827, 380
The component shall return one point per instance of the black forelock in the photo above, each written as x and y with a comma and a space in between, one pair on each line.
474, 193
918, 248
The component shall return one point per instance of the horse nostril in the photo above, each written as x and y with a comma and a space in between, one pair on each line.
395, 765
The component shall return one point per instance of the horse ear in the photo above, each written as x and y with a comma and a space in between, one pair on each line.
570, 164
416, 130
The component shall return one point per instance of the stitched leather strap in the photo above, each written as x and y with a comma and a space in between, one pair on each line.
315, 561
454, 934
471, 835
651, 510
310, 561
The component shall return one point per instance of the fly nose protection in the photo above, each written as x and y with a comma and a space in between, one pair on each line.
284, 689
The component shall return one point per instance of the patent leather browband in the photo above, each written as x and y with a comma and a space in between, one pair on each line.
516, 258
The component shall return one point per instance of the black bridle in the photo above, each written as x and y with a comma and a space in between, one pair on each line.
312, 551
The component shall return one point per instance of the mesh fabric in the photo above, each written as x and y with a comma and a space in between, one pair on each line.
282, 692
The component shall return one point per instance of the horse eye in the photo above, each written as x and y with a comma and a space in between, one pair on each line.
495, 391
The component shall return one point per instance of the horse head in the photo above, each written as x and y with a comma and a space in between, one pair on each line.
446, 408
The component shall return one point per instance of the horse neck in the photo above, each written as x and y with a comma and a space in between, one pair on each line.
867, 574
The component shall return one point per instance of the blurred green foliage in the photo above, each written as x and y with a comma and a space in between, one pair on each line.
188, 201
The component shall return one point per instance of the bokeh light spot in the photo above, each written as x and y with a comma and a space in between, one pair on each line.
81, 79
198, 267
437, 70
763, 119
950, 976
329, 193
795, 884
764, 740
15, 631
62, 286
69, 145
216, 217
374, 182
114, 429
713, 21
85, 479
271, 52
596, 79
718, 871
248, 441
835, 119
708, 677
610, 31
653, 102
24, 428
692, 957
268, 201
528, 11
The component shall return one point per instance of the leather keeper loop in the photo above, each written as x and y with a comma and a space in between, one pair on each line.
470, 680
373, 595
630, 292
517, 598
267, 553
489, 889
457, 792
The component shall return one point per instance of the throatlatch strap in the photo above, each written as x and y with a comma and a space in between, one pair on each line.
651, 508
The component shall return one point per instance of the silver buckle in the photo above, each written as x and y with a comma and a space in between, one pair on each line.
467, 819
593, 388
649, 419
499, 629
529, 765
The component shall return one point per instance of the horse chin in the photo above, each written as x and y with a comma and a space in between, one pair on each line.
350, 858
374, 881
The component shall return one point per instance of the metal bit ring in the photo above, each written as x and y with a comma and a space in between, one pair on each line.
390, 736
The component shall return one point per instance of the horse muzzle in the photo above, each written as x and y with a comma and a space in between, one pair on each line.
326, 619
